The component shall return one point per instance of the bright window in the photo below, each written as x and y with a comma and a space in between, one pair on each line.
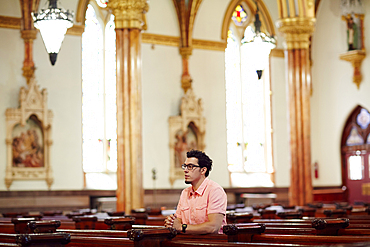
99, 124
248, 115
355, 167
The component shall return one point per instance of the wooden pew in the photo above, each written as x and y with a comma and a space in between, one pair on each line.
291, 214
35, 239
255, 233
120, 223
31, 225
194, 243
85, 221
135, 237
239, 217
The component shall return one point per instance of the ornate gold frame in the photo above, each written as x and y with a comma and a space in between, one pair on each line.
33, 102
191, 115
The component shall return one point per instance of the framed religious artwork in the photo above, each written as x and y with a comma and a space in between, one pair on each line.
187, 132
28, 137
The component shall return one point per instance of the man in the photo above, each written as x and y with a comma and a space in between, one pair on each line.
202, 206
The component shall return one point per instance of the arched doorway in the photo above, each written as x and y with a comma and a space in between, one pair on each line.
355, 151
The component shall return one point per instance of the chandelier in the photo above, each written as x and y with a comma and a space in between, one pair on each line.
53, 24
259, 45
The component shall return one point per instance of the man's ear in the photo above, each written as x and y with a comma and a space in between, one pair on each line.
204, 170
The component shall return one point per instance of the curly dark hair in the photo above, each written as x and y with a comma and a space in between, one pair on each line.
203, 159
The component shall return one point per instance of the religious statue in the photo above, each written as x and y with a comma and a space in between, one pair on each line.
352, 36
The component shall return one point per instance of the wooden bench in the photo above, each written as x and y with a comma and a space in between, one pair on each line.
120, 223
135, 237
194, 243
36, 239
255, 233
239, 217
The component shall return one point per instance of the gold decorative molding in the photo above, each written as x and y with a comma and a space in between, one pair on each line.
158, 39
29, 35
355, 58
76, 30
277, 53
209, 45
81, 10
297, 31
128, 13
186, 52
10, 22
28, 72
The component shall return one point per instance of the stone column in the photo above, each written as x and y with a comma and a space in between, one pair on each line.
129, 20
297, 32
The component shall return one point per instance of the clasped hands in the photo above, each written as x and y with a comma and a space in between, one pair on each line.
172, 221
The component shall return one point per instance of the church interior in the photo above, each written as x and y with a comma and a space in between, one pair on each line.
137, 84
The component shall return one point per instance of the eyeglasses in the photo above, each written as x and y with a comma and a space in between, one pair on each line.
190, 167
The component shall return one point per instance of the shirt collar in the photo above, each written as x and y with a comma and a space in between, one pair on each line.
201, 188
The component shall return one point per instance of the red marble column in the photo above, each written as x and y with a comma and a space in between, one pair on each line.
129, 20
297, 32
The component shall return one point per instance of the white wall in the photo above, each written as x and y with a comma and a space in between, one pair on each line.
280, 121
334, 94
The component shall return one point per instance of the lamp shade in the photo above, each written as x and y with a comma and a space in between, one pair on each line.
53, 24
258, 45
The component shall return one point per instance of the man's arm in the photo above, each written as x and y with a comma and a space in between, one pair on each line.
213, 225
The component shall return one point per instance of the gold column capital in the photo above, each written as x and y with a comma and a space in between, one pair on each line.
297, 31
186, 52
129, 13
29, 35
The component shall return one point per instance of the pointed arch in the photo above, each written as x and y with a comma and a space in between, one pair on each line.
81, 11
353, 123
267, 23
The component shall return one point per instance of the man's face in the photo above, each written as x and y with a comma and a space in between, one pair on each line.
192, 175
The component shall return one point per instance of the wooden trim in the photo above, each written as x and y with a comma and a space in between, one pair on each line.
76, 30
209, 45
158, 39
277, 53
81, 11
10, 22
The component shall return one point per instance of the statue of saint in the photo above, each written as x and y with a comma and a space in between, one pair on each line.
352, 36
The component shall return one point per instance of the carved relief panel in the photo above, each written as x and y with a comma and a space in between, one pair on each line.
187, 132
28, 137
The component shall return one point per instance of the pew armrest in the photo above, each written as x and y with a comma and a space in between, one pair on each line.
120, 223
46, 226
329, 226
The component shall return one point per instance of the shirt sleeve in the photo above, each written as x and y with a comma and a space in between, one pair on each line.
217, 201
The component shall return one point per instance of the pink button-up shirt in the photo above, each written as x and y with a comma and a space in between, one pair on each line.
194, 206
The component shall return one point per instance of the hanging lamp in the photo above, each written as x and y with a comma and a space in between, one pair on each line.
259, 45
53, 24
